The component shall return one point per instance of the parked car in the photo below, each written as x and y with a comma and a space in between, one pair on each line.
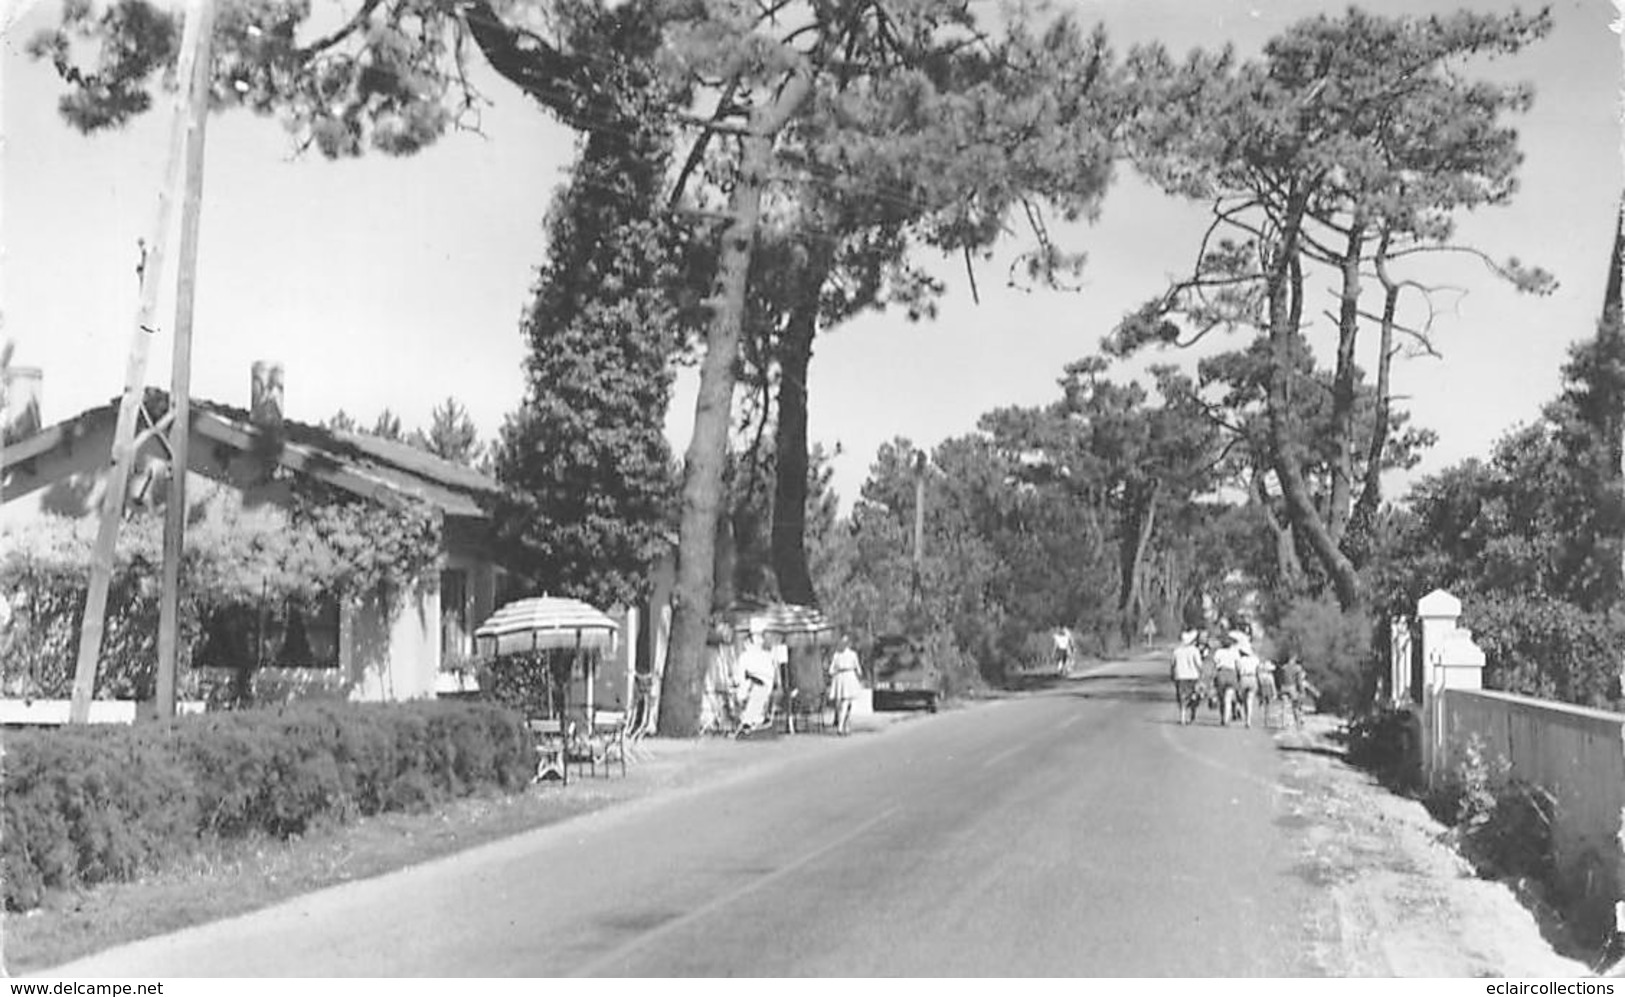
904, 676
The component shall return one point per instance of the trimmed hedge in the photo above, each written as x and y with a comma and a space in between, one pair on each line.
83, 805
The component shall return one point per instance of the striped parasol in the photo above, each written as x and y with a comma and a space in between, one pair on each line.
796, 624
543, 623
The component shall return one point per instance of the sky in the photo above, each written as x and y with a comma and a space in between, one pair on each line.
395, 283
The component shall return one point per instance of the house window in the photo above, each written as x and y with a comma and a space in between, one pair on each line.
310, 635
292, 634
455, 632
229, 636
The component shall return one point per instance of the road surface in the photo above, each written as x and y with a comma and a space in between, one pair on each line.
1073, 831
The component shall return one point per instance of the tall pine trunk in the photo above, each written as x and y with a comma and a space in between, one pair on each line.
1343, 387
1130, 601
790, 437
1285, 305
706, 459
1359, 538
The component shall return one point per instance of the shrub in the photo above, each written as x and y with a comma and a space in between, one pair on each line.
86, 806
958, 672
1387, 744
83, 806
1545, 647
1335, 648
529, 684
1029, 650
1504, 826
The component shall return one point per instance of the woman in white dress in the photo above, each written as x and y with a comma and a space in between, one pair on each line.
844, 684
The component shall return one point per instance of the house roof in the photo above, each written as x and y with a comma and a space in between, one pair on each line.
366, 466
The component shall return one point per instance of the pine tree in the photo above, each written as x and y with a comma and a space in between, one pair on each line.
589, 474
452, 434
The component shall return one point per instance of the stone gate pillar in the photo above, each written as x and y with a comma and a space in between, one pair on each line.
1450, 660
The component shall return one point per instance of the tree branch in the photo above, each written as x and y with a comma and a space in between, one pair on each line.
323, 44
1533, 280
697, 152
525, 59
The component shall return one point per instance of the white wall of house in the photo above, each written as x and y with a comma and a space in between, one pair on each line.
392, 653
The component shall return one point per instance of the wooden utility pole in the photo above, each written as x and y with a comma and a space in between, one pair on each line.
1613, 313
149, 270
919, 524
180, 392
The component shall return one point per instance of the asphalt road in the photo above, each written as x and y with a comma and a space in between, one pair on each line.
1075, 831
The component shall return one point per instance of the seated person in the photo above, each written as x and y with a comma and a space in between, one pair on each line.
756, 662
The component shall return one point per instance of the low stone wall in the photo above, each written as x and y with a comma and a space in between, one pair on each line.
1578, 756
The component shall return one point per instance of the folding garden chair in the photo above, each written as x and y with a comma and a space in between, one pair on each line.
553, 737
607, 739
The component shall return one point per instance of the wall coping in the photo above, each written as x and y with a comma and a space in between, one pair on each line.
1438, 604
1545, 705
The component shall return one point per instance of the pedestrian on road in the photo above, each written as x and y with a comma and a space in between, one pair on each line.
1246, 675
1267, 691
1294, 687
1226, 676
1063, 649
1205, 690
845, 674
1187, 671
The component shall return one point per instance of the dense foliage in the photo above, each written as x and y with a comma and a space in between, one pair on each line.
532, 685
949, 154
98, 804
590, 477
1078, 514
1529, 539
1337, 649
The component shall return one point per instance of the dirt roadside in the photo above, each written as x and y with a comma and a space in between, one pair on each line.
1399, 900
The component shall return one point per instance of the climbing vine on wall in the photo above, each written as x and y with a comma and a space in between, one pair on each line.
322, 545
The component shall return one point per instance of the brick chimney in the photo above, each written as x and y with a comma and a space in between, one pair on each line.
265, 395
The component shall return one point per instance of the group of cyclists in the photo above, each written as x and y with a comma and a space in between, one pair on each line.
1220, 668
